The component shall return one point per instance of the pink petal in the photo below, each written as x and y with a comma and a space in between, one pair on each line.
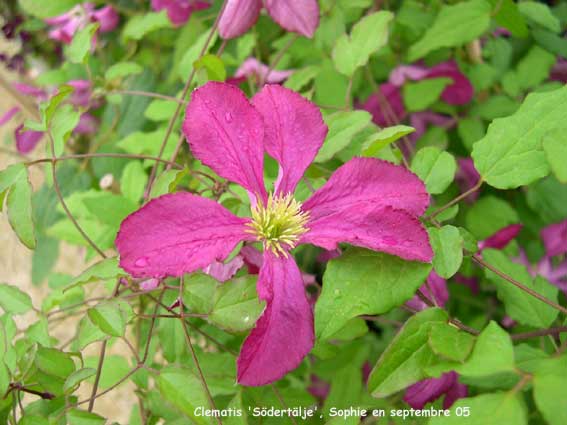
238, 17
176, 234
428, 390
28, 90
454, 393
179, 11
225, 132
555, 238
420, 121
460, 91
252, 67
387, 111
88, 124
294, 132
149, 284
501, 238
300, 16
435, 289
82, 94
371, 203
252, 258
402, 73
224, 271
283, 335
8, 115
107, 17
26, 140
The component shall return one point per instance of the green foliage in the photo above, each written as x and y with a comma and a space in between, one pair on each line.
447, 244
13, 300
78, 50
435, 167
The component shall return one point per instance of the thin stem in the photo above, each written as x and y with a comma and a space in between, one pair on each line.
182, 98
539, 332
97, 376
456, 200
148, 94
277, 60
102, 155
478, 259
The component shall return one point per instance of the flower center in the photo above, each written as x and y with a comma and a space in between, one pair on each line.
279, 224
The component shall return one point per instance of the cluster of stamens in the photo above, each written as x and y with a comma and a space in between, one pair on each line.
279, 224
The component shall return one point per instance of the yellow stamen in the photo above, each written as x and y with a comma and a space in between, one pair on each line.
279, 224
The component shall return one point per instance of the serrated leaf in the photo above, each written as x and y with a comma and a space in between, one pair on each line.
449, 342
520, 305
404, 361
103, 270
447, 245
364, 282
368, 35
54, 362
110, 317
435, 167
77, 377
343, 126
511, 154
455, 25
14, 300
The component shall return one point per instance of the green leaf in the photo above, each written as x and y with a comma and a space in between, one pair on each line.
140, 25
110, 317
540, 14
19, 205
64, 121
447, 244
454, 26
82, 417
198, 294
213, 65
184, 391
549, 387
103, 270
114, 368
364, 282
13, 300
301, 77
236, 307
511, 153
343, 126
77, 377
508, 15
420, 95
488, 215
54, 362
47, 9
384, 137
487, 409
80, 47
450, 343
133, 182
49, 108
368, 35
520, 305
555, 148
435, 167
404, 361
160, 110
120, 70
192, 55
11, 175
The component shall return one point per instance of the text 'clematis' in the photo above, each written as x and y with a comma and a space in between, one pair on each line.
366, 202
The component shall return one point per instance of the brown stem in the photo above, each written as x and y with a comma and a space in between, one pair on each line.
102, 155
456, 200
148, 94
539, 332
277, 59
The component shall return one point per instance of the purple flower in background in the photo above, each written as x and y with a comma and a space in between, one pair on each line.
253, 68
554, 238
82, 93
386, 106
428, 390
26, 140
459, 92
300, 16
420, 121
179, 11
501, 238
66, 25
366, 202
435, 290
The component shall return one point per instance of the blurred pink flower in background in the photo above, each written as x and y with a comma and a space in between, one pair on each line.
179, 11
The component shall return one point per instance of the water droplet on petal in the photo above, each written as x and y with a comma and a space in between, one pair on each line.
228, 117
141, 262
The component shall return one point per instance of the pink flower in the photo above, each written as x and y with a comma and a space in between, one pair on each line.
366, 202
386, 106
26, 140
88, 124
428, 390
223, 272
179, 11
420, 121
66, 25
81, 96
459, 92
501, 238
435, 290
300, 16
252, 67
555, 238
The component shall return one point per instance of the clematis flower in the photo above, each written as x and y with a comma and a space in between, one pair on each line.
253, 68
66, 25
179, 11
555, 238
459, 92
386, 106
428, 390
366, 202
300, 16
